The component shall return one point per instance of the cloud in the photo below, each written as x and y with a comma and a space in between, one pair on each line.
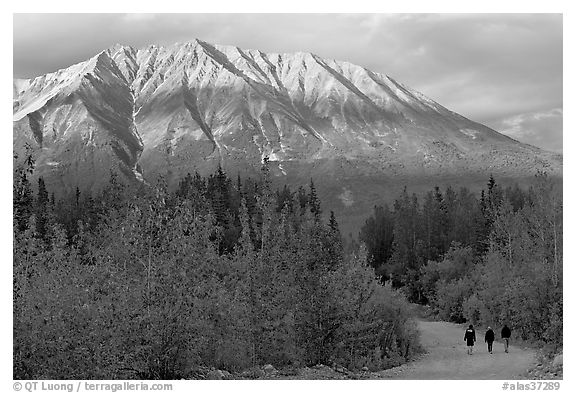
487, 67
542, 129
129, 18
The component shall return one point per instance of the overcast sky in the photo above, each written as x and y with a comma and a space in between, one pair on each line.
502, 70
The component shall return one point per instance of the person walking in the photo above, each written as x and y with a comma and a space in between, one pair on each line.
506, 337
489, 338
470, 337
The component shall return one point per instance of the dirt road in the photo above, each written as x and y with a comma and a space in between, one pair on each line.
446, 357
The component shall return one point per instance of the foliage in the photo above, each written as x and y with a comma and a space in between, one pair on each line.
153, 285
492, 260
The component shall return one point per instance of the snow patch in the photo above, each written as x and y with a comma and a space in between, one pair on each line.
468, 132
138, 176
87, 138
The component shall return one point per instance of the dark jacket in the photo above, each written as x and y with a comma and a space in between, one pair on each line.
489, 336
470, 337
506, 332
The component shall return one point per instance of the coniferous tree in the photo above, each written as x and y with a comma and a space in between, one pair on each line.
377, 234
23, 199
467, 218
142, 291
332, 223
302, 199
482, 226
184, 186
113, 195
285, 199
494, 197
515, 196
409, 249
42, 211
314, 202
435, 223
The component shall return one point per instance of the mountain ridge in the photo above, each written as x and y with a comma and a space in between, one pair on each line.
166, 111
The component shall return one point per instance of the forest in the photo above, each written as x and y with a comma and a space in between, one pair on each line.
491, 260
147, 283
143, 283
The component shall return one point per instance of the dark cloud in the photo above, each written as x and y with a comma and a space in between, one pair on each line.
492, 68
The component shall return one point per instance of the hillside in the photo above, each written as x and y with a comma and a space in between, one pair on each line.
166, 111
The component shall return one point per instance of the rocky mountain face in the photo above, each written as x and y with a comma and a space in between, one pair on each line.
168, 111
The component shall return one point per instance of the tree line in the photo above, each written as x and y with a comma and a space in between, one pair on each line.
150, 284
493, 259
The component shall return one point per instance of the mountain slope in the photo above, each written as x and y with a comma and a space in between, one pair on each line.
172, 110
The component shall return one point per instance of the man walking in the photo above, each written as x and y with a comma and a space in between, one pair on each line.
470, 337
506, 337
489, 338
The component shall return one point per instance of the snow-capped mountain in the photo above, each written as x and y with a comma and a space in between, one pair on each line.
173, 110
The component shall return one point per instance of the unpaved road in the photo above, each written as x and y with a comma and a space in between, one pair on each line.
446, 357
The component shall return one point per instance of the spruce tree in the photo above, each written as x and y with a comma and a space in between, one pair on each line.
42, 211
377, 234
22, 196
285, 199
332, 223
314, 201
